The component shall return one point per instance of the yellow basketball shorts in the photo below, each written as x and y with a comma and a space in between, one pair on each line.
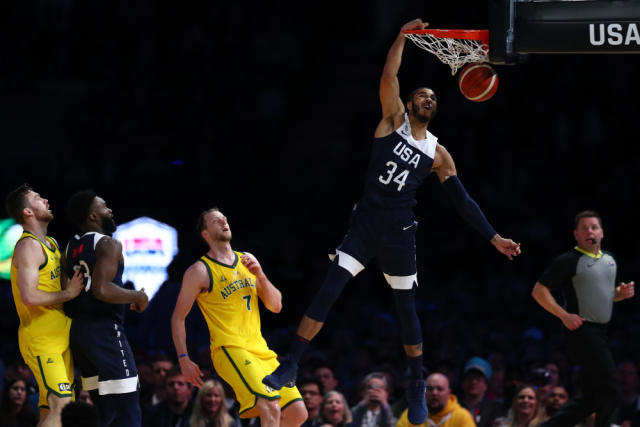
244, 371
53, 372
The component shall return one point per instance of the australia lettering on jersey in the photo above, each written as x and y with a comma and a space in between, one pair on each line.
405, 153
55, 273
236, 286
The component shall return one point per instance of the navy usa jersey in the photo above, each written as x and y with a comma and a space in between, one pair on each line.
81, 253
398, 166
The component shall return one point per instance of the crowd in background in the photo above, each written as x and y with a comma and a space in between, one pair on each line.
482, 392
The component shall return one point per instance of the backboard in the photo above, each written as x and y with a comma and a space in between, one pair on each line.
518, 28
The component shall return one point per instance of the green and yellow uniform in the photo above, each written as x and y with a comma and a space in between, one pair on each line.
43, 335
239, 352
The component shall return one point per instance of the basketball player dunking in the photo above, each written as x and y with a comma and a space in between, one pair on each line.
383, 224
226, 285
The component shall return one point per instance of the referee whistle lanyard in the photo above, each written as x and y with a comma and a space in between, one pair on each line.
442, 421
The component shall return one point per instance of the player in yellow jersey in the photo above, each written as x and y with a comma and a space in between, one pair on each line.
226, 285
38, 289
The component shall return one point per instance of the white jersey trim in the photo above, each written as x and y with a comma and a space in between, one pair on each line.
427, 145
96, 237
347, 262
401, 282
126, 385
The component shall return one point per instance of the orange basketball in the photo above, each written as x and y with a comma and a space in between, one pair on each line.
478, 82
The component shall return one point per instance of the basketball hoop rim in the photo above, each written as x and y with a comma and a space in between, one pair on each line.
480, 35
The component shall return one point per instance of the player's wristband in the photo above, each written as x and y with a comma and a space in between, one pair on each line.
467, 207
180, 356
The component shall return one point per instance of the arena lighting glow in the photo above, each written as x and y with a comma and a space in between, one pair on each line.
10, 232
148, 247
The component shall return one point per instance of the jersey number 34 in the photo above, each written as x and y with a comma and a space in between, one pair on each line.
399, 178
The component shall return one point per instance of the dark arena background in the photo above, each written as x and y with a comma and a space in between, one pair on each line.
267, 110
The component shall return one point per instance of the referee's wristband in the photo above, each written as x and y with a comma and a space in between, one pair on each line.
180, 356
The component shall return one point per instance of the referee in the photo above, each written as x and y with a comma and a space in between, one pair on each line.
587, 277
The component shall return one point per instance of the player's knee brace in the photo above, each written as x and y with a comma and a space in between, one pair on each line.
337, 277
406, 310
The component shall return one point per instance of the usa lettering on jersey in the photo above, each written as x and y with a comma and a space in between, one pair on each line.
405, 152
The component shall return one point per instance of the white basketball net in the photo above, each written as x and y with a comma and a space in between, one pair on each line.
453, 52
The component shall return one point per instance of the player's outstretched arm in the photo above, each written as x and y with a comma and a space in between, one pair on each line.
444, 167
543, 296
28, 257
270, 295
108, 253
194, 281
389, 85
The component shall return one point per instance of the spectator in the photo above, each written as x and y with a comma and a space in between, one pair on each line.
335, 411
475, 382
79, 414
161, 367
147, 383
495, 390
630, 405
19, 370
311, 391
513, 380
373, 409
329, 381
84, 396
176, 409
557, 397
15, 412
526, 410
541, 380
209, 409
554, 372
444, 409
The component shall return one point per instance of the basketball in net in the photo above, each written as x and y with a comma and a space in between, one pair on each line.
478, 82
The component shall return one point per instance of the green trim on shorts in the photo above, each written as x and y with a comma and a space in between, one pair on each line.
247, 385
49, 389
297, 399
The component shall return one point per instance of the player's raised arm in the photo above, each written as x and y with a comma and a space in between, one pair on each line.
28, 257
444, 167
390, 101
194, 281
108, 253
269, 294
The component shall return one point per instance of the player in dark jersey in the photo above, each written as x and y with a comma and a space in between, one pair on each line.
588, 279
98, 343
383, 224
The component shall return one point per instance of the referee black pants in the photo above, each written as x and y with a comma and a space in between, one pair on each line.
588, 347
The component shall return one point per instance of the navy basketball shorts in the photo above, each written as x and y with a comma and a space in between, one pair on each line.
102, 353
386, 234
